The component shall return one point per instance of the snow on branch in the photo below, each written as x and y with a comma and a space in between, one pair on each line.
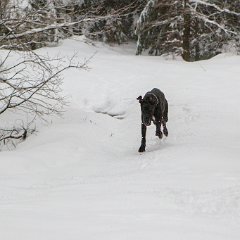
206, 3
33, 83
31, 86
214, 23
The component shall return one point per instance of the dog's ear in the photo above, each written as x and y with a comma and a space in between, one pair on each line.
139, 99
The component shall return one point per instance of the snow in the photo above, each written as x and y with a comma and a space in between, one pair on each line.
81, 177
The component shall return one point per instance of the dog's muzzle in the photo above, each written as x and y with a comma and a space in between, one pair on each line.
147, 122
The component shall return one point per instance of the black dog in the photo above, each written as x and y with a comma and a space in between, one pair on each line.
154, 107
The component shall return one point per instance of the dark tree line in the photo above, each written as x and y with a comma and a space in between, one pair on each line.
43, 21
194, 29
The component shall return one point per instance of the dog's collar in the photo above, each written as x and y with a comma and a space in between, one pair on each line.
153, 95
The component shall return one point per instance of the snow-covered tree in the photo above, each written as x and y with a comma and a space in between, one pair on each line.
112, 20
158, 27
37, 22
31, 24
31, 85
195, 29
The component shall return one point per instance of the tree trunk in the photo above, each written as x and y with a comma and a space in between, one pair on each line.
197, 47
186, 31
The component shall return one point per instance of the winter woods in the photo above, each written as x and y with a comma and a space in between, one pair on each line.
194, 29
41, 22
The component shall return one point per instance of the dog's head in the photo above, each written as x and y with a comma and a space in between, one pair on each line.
148, 105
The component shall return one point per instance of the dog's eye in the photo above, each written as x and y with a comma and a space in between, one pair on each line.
151, 102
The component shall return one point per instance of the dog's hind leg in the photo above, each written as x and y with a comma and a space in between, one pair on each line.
165, 119
165, 113
158, 122
165, 131
143, 142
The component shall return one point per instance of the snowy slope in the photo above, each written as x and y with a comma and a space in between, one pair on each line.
82, 177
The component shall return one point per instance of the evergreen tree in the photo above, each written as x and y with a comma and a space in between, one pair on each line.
195, 29
112, 20
158, 28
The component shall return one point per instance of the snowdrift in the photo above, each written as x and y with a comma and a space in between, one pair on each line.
81, 177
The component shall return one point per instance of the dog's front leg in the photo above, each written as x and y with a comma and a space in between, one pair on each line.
143, 143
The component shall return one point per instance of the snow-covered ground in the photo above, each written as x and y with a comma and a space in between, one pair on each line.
82, 178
